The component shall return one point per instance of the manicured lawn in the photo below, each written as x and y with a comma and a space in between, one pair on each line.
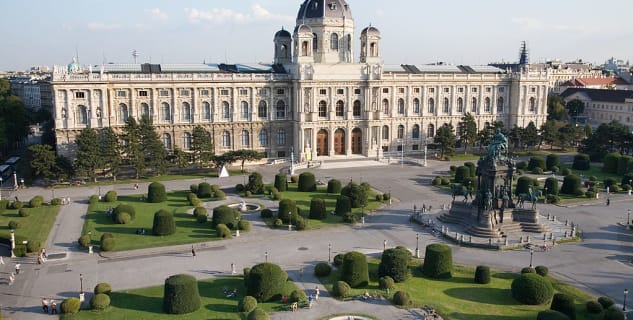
464, 157
460, 298
303, 202
147, 303
35, 227
167, 177
188, 230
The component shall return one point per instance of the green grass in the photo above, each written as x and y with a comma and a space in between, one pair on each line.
303, 202
188, 230
460, 298
464, 157
147, 303
35, 227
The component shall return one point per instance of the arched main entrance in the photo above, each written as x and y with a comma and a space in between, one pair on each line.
322, 143
357, 141
339, 142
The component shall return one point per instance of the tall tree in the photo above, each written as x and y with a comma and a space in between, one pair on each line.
180, 159
516, 136
575, 108
201, 145
88, 153
468, 132
42, 160
132, 146
484, 136
556, 108
153, 149
445, 137
244, 155
549, 133
110, 151
63, 168
530, 135
14, 123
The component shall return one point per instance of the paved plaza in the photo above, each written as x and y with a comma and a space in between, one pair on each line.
600, 264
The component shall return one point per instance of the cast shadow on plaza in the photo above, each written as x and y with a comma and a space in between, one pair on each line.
459, 315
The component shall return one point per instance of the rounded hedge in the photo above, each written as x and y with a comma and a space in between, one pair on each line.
438, 261
239, 187
606, 302
536, 162
472, 167
124, 208
334, 186
287, 209
341, 289
571, 185
247, 304
528, 270
343, 205
92, 200
386, 282
551, 184
461, 173
156, 192
110, 196
204, 190
355, 270
244, 225
58, 201
338, 259
299, 222
281, 182
265, 281
482, 275
611, 162
593, 307
613, 313
202, 217
33, 246
322, 269
436, 181
278, 223
200, 210
36, 202
20, 250
70, 306
255, 183
524, 184
106, 235
164, 223
258, 314
552, 160
123, 218
307, 182
13, 225
564, 303
581, 162
223, 232
220, 195
181, 294
532, 289
401, 298
542, 271
24, 212
266, 213
107, 244
193, 188
298, 295
565, 172
551, 315
17, 205
84, 241
103, 287
100, 301
395, 264
224, 215
317, 209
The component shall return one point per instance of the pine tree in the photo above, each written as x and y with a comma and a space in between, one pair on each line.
468, 132
110, 151
201, 145
88, 153
445, 137
132, 146
153, 149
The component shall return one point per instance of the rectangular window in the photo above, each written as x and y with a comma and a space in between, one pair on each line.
357, 91
415, 147
243, 92
385, 90
184, 93
322, 92
488, 89
164, 93
224, 92
80, 95
431, 90
502, 89
474, 90
263, 91
447, 90
281, 154
460, 90
142, 93
281, 91
400, 90
399, 148
340, 91
121, 93
416, 90
533, 89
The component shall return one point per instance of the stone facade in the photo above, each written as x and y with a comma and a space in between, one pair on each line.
314, 100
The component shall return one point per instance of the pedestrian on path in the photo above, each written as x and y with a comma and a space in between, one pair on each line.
608, 201
310, 302
193, 251
17, 268
233, 268
1, 261
11, 278
45, 305
316, 293
53, 307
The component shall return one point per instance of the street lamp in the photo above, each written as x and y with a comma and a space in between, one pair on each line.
545, 200
384, 245
628, 217
401, 153
12, 239
362, 213
417, 245
626, 292
289, 221
531, 255
0, 188
329, 252
81, 283
266, 256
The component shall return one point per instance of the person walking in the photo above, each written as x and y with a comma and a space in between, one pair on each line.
53, 307
17, 268
310, 302
317, 292
1, 261
11, 278
233, 268
45, 305
193, 251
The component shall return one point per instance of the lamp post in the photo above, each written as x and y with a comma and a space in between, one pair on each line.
545, 200
417, 245
329, 252
424, 164
0, 188
362, 214
384, 245
531, 255
266, 256
12, 243
402, 153
628, 217
289, 221
626, 292
81, 283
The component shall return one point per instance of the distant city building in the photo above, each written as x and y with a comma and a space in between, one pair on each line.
617, 66
596, 83
603, 105
313, 99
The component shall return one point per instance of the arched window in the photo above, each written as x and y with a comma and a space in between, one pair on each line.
460, 105
206, 109
357, 108
262, 109
226, 139
340, 108
226, 110
186, 112
281, 136
167, 141
244, 110
415, 133
263, 137
304, 48
145, 110
334, 41
165, 111
385, 106
82, 115
385, 132
123, 112
500, 105
281, 109
186, 141
487, 105
401, 106
284, 51
473, 105
532, 104
431, 105
400, 131
245, 138
322, 109
373, 51
315, 42
446, 105
430, 132
416, 105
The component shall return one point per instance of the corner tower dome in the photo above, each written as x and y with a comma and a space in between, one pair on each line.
311, 9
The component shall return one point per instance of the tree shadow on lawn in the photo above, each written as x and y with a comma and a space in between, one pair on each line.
131, 301
215, 290
505, 275
492, 296
459, 315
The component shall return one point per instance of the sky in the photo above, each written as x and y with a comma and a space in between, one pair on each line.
470, 32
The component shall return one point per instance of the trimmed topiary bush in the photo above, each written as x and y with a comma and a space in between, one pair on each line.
611, 162
355, 270
200, 210
100, 302
338, 259
581, 162
266, 213
322, 269
20, 250
606, 302
401, 298
16, 205
593, 307
193, 199
317, 209
70, 306
84, 241
334, 186
181, 294
124, 208
223, 232
551, 184
357, 193
536, 162
341, 289
298, 295
204, 190
36, 202
436, 181
343, 205
33, 246
472, 167
625, 164
299, 222
613, 313
281, 182
482, 275
542, 271
287, 209
461, 173
552, 160
239, 187
266, 281
202, 217
220, 195
571, 185
104, 288
255, 183
524, 184
123, 218
156, 193
4, 204
564, 303
395, 264
13, 225
307, 182
438, 261
532, 289
92, 200
193, 188
537, 170
110, 196
107, 244
57, 202
247, 304
278, 223
24, 212
258, 314
225, 215
528, 270
244, 225
386, 282
164, 224
551, 315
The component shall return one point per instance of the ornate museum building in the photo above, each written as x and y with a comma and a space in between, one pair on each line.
315, 99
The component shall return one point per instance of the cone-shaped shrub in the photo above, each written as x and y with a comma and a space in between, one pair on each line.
438, 261
355, 271
395, 264
164, 224
281, 182
181, 294
156, 193
307, 182
317, 209
265, 281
